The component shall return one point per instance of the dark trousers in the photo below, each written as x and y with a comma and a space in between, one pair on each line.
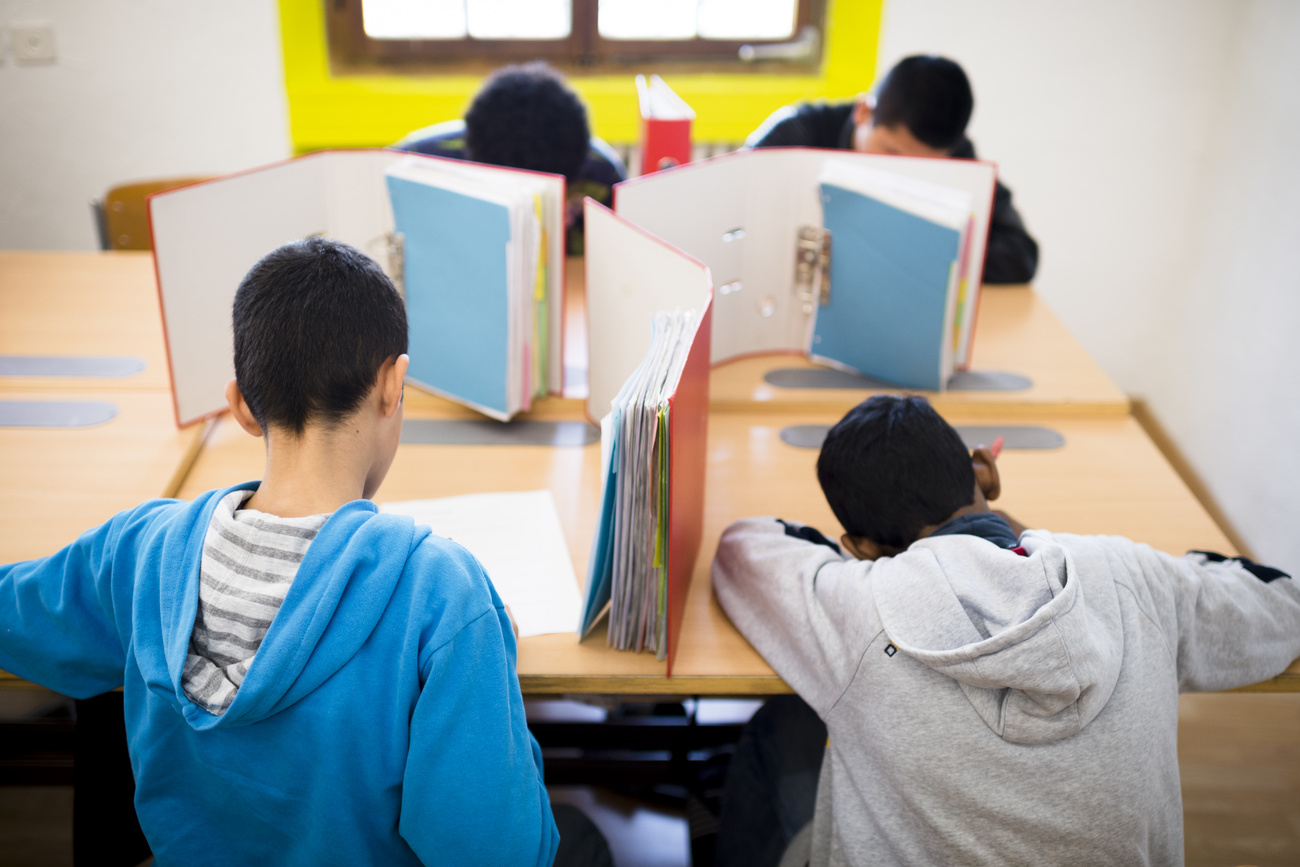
771, 787
105, 831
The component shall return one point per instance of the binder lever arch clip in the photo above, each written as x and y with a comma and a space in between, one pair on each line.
812, 267
397, 260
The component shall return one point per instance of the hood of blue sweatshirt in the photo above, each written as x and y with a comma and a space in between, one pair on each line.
351, 567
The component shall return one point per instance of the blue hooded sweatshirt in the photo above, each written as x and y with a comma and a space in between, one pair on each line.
380, 722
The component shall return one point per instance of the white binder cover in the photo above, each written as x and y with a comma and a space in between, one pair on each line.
631, 276
741, 213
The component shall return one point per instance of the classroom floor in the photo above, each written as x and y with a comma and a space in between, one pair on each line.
1240, 758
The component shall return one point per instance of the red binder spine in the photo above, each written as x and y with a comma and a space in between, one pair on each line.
688, 426
664, 143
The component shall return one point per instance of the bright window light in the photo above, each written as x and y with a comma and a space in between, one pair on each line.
456, 19
647, 19
746, 19
519, 19
414, 19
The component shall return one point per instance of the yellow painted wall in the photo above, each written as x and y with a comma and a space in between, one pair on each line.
373, 110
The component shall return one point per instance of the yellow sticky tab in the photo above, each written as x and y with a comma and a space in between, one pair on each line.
539, 291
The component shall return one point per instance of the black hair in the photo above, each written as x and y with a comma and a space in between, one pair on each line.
929, 95
892, 466
314, 321
526, 117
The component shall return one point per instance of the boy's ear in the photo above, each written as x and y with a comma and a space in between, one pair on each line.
239, 409
391, 377
861, 547
863, 111
986, 473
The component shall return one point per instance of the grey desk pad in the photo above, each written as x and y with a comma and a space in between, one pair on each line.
1029, 437
55, 413
70, 365
472, 432
826, 377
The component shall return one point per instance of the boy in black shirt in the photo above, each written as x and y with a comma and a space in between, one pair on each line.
921, 108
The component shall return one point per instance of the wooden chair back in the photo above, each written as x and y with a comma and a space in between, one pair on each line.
126, 217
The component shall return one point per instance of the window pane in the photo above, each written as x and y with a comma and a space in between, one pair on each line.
747, 19
519, 19
414, 19
647, 19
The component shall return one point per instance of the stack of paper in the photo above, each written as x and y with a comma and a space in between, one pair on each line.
897, 300
629, 563
518, 539
483, 310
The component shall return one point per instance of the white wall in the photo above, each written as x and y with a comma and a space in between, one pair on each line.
1152, 149
141, 89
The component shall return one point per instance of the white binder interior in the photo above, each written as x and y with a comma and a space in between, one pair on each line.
208, 235
631, 276
741, 213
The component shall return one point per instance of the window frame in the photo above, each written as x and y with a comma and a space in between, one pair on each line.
583, 51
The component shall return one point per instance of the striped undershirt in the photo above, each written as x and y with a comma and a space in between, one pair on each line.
249, 560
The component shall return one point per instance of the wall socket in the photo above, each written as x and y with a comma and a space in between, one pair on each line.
32, 42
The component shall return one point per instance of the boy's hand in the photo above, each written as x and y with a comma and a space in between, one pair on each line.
513, 626
1016, 526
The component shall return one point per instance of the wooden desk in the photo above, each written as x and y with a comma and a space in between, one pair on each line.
1016, 333
57, 483
82, 304
1108, 478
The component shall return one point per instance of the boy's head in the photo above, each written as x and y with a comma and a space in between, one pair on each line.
315, 322
920, 108
893, 471
526, 117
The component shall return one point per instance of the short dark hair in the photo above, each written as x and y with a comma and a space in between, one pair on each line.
929, 95
314, 321
526, 117
892, 466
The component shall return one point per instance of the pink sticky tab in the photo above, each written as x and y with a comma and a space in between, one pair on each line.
996, 448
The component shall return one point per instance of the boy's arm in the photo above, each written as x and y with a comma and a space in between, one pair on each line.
805, 609
1012, 255
473, 790
59, 616
1238, 623
1229, 622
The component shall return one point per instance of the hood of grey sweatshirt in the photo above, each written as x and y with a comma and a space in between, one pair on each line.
1035, 658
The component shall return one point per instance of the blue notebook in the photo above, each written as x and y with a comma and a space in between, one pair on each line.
890, 279
457, 292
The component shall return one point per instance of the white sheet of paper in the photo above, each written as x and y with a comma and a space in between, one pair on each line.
518, 538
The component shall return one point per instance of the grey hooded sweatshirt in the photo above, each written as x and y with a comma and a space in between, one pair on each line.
985, 707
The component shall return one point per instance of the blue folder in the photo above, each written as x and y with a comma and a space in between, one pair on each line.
456, 285
889, 281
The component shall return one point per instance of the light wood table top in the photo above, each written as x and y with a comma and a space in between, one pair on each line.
1016, 333
1108, 478
57, 483
74, 303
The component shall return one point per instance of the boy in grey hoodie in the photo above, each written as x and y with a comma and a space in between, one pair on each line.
991, 696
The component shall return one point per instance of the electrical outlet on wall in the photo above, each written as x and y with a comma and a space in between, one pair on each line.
32, 42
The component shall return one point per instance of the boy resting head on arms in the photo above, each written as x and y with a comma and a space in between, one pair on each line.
991, 697
920, 108
307, 681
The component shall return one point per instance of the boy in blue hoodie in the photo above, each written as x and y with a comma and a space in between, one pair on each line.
307, 681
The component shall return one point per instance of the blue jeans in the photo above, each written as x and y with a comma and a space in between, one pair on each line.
771, 787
